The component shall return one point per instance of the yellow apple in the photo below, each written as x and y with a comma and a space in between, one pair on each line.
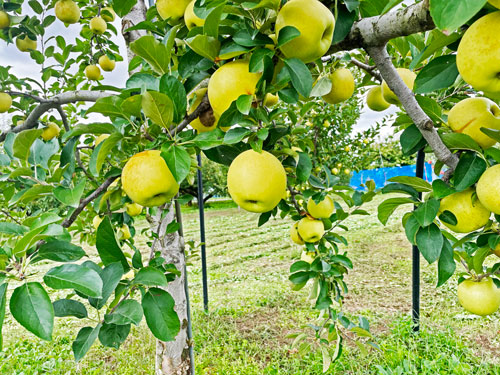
106, 63
51, 131
487, 189
98, 26
256, 181
124, 232
309, 123
67, 11
207, 120
311, 230
92, 72
347, 171
495, 3
4, 20
326, 124
479, 297
108, 14
478, 55
25, 44
322, 210
133, 209
307, 256
190, 18
342, 86
99, 139
469, 212
471, 114
408, 78
366, 141
375, 100
228, 83
315, 23
171, 9
295, 236
335, 171
147, 180
5, 102
270, 100
96, 221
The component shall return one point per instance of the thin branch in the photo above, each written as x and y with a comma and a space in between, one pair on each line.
82, 167
201, 109
10, 216
64, 118
293, 193
34, 97
370, 69
67, 222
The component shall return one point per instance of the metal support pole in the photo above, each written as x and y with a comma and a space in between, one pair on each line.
201, 209
416, 257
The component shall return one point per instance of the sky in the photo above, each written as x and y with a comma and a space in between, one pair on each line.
24, 66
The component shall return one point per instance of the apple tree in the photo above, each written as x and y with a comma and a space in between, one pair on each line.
232, 79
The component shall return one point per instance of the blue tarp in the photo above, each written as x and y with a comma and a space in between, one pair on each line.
381, 175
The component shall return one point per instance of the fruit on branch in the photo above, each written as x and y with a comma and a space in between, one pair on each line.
308, 256
342, 86
322, 210
311, 230
270, 100
133, 209
206, 121
99, 139
468, 210
67, 11
106, 63
124, 232
478, 55
92, 72
51, 131
315, 23
98, 26
96, 221
5, 102
25, 44
375, 100
479, 297
147, 180
471, 114
294, 234
408, 78
335, 171
495, 3
256, 181
171, 9
108, 14
190, 18
487, 189
4, 20
228, 83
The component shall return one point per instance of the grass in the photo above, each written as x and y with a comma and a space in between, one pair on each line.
253, 309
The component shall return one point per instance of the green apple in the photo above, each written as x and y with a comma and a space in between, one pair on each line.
308, 256
67, 11
408, 78
270, 100
470, 115
479, 297
478, 55
99, 139
207, 120
147, 180
315, 23
4, 20
190, 18
375, 100
256, 181
311, 230
108, 14
342, 86
294, 234
98, 26
25, 44
133, 209
228, 83
487, 189
469, 212
51, 131
92, 72
5, 102
106, 63
322, 210
96, 221
171, 9
124, 232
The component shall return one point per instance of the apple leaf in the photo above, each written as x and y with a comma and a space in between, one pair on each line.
107, 245
158, 107
70, 197
160, 315
387, 207
343, 23
172, 87
205, 46
84, 341
211, 26
123, 7
69, 307
470, 167
430, 242
300, 75
23, 142
440, 73
178, 161
95, 128
109, 106
3, 302
75, 276
60, 251
304, 167
287, 34
450, 15
154, 52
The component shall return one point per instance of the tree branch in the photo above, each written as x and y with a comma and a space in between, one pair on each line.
370, 69
34, 97
201, 109
64, 118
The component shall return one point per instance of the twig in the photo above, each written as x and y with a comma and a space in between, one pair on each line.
34, 97
82, 167
12, 217
202, 108
370, 69
64, 118
293, 193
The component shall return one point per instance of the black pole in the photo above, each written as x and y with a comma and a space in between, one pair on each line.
201, 209
416, 257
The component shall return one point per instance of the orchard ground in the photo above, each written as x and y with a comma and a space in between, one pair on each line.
253, 309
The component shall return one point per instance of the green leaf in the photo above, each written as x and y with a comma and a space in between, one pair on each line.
107, 245
70, 197
150, 276
427, 212
112, 335
69, 307
154, 52
174, 89
3, 303
322, 87
96, 128
160, 315
110, 106
256, 64
158, 107
399, 188
23, 142
75, 276
84, 341
470, 167
30, 305
415, 182
205, 46
430, 242
123, 7
236, 135
441, 189
343, 23
60, 251
34, 192
440, 73
450, 15
110, 276
244, 104
127, 312
212, 21
430, 107
300, 75
387, 207
104, 151
287, 34
178, 161
411, 228
459, 141
12, 228
448, 217
411, 140
300, 266
304, 167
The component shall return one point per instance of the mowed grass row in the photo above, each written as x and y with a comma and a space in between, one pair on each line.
253, 309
